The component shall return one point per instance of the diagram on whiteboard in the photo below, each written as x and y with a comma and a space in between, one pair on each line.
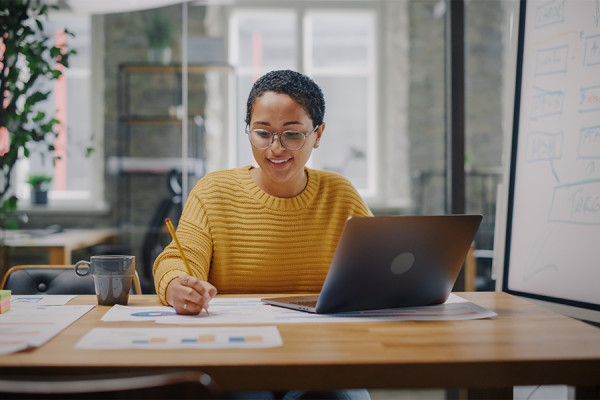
555, 227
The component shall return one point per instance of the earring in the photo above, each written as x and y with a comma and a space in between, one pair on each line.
316, 144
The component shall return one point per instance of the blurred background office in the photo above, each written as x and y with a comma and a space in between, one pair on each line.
158, 88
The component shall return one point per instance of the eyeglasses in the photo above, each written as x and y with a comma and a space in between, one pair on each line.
291, 140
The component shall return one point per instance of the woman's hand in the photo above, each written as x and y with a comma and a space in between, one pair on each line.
189, 295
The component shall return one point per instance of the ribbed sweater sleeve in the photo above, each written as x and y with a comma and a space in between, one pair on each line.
243, 240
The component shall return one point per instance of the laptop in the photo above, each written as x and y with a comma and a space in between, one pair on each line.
391, 262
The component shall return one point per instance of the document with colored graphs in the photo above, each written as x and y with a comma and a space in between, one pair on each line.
252, 310
181, 338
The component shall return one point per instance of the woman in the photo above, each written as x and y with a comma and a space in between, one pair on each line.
270, 228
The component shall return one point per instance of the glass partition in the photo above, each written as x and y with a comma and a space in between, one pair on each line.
379, 62
489, 60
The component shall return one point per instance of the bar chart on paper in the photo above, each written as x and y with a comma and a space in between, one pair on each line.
185, 337
254, 311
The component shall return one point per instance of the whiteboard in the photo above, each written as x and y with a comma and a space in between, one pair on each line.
552, 248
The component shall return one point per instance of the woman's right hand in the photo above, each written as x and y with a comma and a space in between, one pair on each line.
189, 295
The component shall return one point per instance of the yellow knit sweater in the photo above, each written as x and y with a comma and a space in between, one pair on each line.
242, 240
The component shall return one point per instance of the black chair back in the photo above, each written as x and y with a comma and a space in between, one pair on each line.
155, 238
50, 279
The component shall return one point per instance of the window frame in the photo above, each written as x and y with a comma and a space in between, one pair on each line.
303, 13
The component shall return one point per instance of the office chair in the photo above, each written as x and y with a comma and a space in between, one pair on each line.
143, 385
52, 279
155, 239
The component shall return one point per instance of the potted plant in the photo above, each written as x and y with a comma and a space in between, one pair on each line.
27, 56
39, 188
159, 32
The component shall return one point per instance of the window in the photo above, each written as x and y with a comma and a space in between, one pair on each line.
336, 49
260, 41
76, 182
340, 55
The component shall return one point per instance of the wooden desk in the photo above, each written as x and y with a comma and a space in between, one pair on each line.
59, 245
525, 345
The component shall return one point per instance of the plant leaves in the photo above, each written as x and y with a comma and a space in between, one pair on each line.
40, 116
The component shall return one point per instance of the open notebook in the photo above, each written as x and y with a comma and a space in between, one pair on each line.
390, 262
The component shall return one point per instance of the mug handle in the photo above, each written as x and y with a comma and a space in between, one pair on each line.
87, 270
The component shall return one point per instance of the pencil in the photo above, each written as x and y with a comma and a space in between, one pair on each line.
174, 236
172, 231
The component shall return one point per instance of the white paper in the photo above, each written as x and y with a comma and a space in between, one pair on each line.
33, 326
254, 311
181, 338
454, 298
12, 346
120, 313
39, 300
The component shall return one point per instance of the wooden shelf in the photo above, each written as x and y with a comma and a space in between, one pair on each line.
138, 118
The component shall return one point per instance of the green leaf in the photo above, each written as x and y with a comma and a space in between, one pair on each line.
47, 127
36, 97
10, 204
12, 224
40, 116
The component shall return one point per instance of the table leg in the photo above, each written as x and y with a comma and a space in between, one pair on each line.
5, 257
587, 392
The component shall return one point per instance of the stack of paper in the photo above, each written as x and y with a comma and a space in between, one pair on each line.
4, 301
31, 323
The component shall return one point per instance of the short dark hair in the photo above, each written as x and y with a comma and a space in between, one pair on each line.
296, 85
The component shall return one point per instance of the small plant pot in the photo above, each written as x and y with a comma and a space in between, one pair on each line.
160, 55
39, 197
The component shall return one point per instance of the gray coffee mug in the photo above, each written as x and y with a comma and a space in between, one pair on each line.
112, 277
